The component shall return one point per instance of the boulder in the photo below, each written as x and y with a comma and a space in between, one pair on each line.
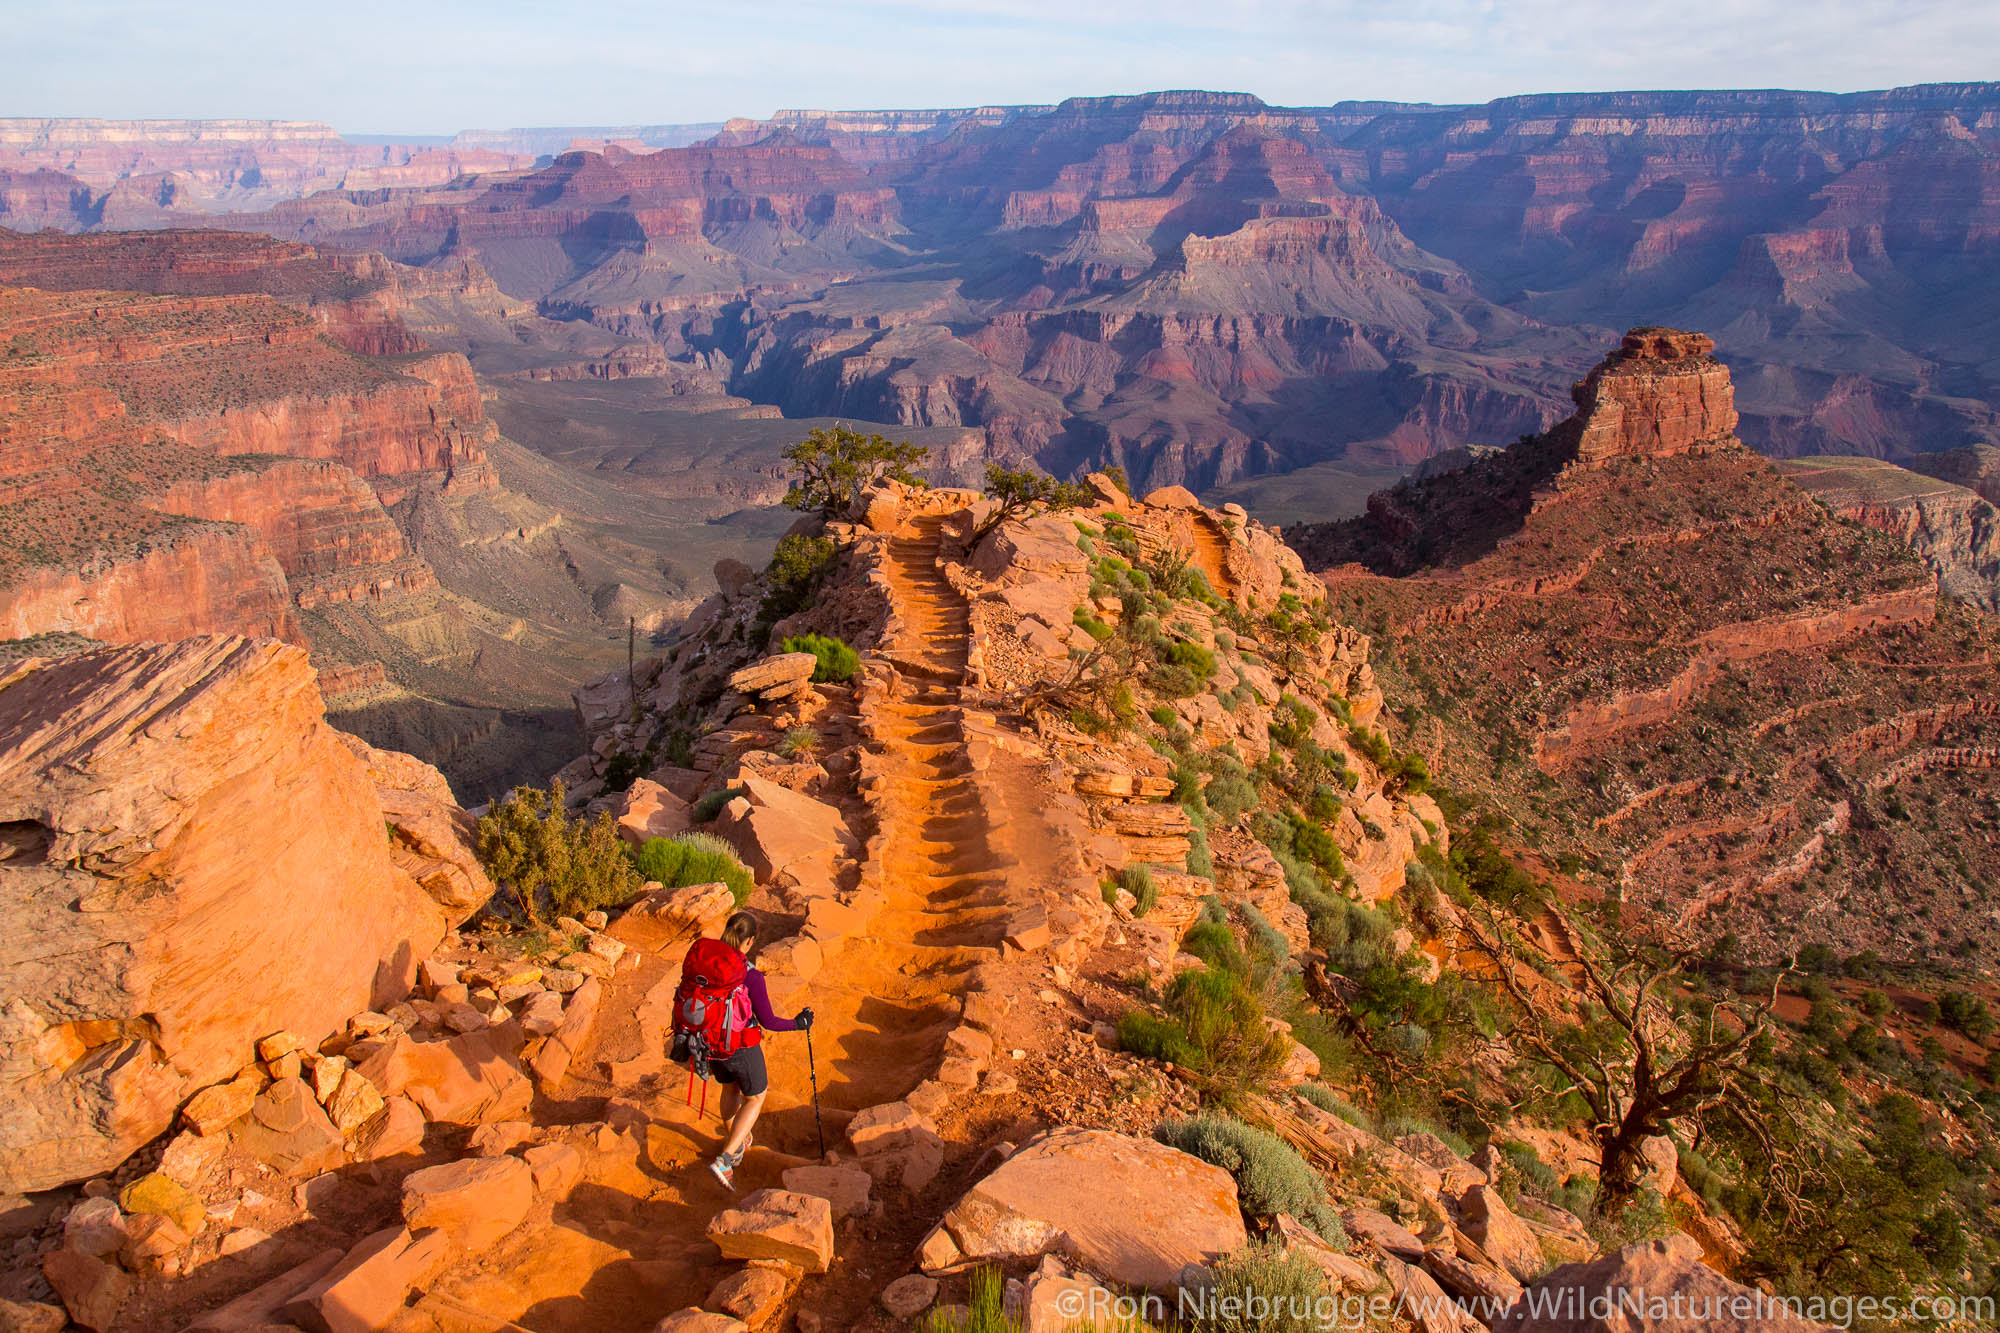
1386, 1235
1457, 1174
95, 1227
1172, 497
1034, 550
1674, 1292
257, 1309
648, 810
368, 1288
1481, 1288
396, 1129
551, 1063
661, 916
288, 1131
732, 576
1491, 1224
556, 1167
757, 1293
777, 1224
91, 1289
692, 1320
213, 1110
159, 1196
474, 1201
1132, 1211
469, 1080
1057, 1299
32, 1317
887, 1127
784, 837
845, 1187
187, 818
773, 673
909, 1296
1423, 1302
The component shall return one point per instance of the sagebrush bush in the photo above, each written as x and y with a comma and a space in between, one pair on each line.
835, 662
694, 858
538, 854
1200, 861
1262, 1288
1230, 795
1271, 1177
1326, 1099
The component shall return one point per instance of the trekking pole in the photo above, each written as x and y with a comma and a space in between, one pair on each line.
812, 1068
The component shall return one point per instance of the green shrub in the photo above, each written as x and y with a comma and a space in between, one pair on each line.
1213, 1025
709, 806
536, 852
800, 742
1271, 1177
1266, 940
1138, 881
1163, 715
1215, 944
1230, 795
1262, 1288
694, 858
1183, 653
797, 567
1092, 626
836, 663
1200, 863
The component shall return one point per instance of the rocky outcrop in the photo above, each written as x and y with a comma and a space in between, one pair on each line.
1954, 529
177, 819
1708, 662
1659, 1286
1661, 393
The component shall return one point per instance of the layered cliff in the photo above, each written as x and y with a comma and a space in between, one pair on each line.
195, 165
1734, 693
1953, 528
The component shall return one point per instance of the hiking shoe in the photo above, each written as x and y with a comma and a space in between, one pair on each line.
724, 1169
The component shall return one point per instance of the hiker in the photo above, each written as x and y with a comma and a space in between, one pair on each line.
721, 1012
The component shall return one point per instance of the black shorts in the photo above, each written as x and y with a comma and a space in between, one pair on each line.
745, 1068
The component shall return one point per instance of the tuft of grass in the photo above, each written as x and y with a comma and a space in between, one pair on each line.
694, 858
800, 742
708, 807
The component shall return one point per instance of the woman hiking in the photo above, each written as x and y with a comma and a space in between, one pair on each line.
721, 1012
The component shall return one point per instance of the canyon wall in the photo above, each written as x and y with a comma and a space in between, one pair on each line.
1744, 708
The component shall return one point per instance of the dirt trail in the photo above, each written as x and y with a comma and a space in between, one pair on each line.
885, 996
1211, 555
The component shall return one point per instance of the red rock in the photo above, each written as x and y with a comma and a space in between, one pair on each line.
1680, 1295
1131, 1210
92, 1290
289, 1131
471, 1079
396, 1129
777, 1224
259, 1308
138, 764
474, 1202
692, 1320
556, 1167
366, 1289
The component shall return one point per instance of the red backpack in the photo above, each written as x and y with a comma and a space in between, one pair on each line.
713, 1017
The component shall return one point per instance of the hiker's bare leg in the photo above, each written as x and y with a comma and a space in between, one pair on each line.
745, 1121
730, 1097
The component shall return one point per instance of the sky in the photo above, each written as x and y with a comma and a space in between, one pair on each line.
372, 67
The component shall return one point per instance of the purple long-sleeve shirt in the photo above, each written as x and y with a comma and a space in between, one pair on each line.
760, 1004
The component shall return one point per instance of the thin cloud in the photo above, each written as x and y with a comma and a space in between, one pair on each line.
372, 65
